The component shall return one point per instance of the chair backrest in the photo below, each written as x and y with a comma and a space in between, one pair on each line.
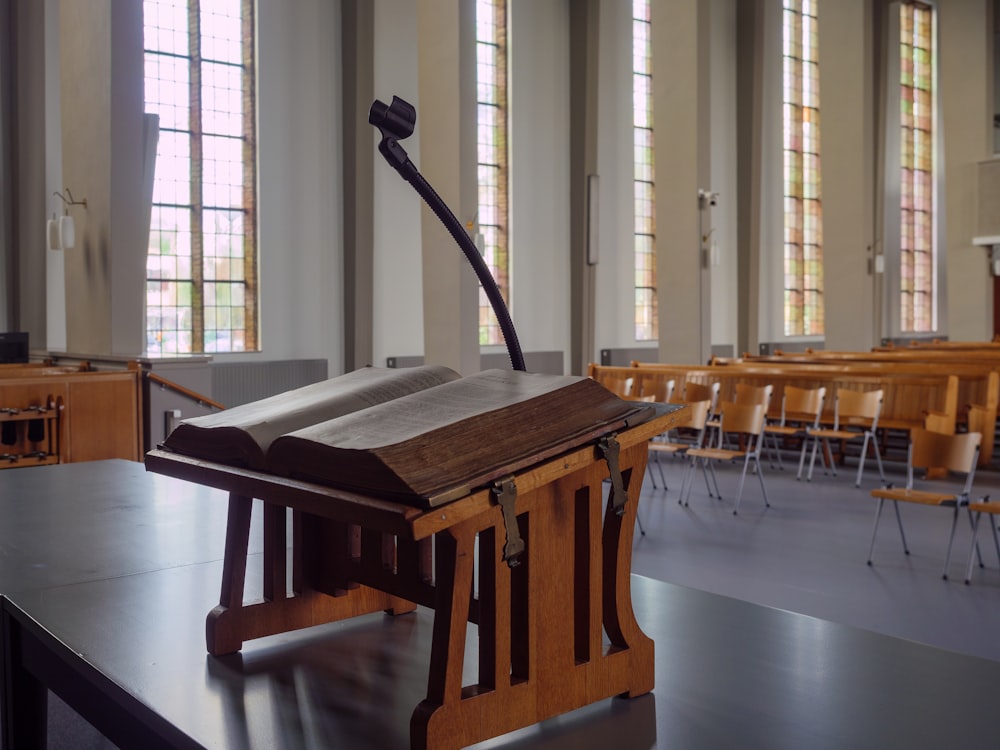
699, 414
857, 405
744, 393
745, 418
700, 392
697, 391
661, 391
954, 452
802, 404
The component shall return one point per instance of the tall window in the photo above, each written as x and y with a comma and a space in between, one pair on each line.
803, 245
644, 199
491, 96
916, 263
201, 269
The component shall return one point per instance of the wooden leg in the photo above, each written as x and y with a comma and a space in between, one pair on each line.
541, 624
25, 699
220, 635
430, 725
323, 588
619, 617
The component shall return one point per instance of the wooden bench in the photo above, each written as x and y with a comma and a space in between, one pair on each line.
911, 399
978, 372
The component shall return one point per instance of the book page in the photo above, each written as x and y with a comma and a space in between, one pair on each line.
418, 413
265, 420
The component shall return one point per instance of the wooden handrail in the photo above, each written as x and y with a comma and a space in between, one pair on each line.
193, 395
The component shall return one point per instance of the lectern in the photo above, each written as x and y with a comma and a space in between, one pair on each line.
556, 629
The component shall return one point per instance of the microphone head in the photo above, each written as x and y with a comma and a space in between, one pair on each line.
396, 119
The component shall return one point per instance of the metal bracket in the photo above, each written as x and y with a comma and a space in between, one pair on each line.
610, 449
505, 492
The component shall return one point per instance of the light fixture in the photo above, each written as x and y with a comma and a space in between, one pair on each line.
62, 234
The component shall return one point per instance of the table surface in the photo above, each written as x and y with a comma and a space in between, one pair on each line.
72, 523
122, 606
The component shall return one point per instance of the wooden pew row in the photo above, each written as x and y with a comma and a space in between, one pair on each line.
939, 344
978, 386
977, 367
911, 399
978, 356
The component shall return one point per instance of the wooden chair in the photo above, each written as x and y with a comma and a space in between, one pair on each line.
801, 409
661, 391
746, 421
744, 393
855, 416
673, 444
976, 511
957, 453
700, 392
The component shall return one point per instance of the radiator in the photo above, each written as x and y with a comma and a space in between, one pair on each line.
235, 383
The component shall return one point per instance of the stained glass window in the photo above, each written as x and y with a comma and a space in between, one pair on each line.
803, 237
491, 97
201, 266
916, 266
643, 193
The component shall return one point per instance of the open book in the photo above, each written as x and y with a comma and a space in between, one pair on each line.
422, 435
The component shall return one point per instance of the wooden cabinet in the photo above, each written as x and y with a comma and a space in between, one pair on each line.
49, 416
29, 432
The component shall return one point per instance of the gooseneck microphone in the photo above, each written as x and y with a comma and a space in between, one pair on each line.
395, 122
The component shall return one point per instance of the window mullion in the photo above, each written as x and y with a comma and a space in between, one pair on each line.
197, 150
249, 177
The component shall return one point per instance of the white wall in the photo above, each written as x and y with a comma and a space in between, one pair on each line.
772, 222
538, 65
615, 277
539, 181
722, 242
299, 180
398, 292
55, 276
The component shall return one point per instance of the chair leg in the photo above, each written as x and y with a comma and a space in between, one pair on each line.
861, 461
638, 520
649, 469
972, 546
878, 513
802, 456
715, 479
829, 457
686, 482
951, 541
659, 468
996, 540
878, 460
899, 522
812, 459
777, 452
743, 476
979, 554
763, 489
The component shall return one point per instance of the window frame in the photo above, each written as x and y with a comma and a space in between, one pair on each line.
223, 264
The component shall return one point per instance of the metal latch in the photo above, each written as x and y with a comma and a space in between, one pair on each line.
610, 449
505, 492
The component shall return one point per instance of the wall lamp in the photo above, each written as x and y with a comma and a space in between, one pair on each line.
61, 232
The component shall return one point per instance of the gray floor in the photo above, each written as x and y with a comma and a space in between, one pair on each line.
807, 553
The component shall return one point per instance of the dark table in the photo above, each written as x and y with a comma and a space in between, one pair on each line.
121, 638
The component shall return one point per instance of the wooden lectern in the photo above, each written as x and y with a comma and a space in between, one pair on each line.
555, 622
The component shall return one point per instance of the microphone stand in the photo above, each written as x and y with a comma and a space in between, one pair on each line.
395, 122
